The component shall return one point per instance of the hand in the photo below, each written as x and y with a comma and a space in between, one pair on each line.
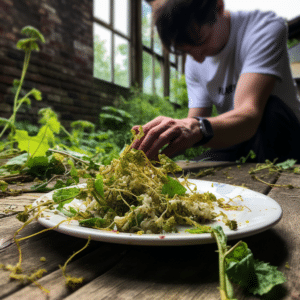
177, 134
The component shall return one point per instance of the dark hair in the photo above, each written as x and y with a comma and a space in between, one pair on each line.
178, 21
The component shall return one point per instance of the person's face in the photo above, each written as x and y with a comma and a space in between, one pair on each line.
211, 39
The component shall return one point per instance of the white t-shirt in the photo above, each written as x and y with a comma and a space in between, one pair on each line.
257, 44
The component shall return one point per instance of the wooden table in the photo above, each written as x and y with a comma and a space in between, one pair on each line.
115, 271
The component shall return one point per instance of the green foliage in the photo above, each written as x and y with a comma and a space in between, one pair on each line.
115, 118
286, 164
34, 145
292, 43
27, 126
27, 45
250, 155
172, 187
63, 195
179, 91
146, 107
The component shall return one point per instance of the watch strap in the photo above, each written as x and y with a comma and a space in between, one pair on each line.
206, 130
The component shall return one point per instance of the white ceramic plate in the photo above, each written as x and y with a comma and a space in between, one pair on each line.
260, 214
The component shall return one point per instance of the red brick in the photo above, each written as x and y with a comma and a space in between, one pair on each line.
6, 79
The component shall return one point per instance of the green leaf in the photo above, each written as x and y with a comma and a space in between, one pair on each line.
19, 160
33, 33
94, 222
16, 83
99, 186
172, 187
267, 277
239, 253
41, 188
81, 125
35, 145
242, 271
256, 276
199, 230
54, 124
69, 213
36, 94
287, 164
65, 194
73, 172
28, 45
37, 166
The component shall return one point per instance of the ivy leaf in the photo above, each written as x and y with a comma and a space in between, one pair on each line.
238, 254
241, 271
28, 45
37, 166
19, 160
256, 276
35, 145
73, 172
287, 164
41, 188
81, 125
36, 94
99, 186
94, 222
172, 187
33, 33
49, 118
68, 213
65, 194
267, 277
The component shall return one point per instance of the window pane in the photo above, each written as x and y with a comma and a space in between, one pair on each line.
121, 20
147, 73
158, 79
121, 61
102, 53
146, 24
157, 43
173, 58
102, 10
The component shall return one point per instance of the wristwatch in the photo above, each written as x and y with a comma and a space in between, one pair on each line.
206, 130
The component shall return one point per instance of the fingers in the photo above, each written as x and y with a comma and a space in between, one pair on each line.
177, 134
151, 131
162, 137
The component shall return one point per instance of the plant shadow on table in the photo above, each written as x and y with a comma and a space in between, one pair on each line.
197, 265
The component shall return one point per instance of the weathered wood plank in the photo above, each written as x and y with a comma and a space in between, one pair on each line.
89, 267
233, 174
54, 246
14, 204
159, 273
287, 248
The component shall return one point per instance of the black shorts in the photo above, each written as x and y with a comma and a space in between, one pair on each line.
277, 137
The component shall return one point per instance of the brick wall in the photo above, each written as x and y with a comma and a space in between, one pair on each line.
63, 69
